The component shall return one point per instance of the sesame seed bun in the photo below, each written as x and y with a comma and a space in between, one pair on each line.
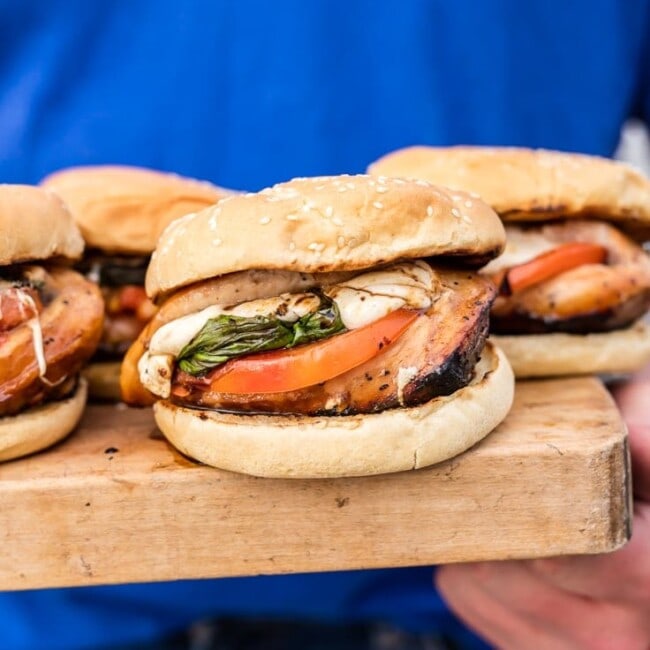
532, 185
281, 446
41, 426
35, 225
124, 209
323, 224
557, 354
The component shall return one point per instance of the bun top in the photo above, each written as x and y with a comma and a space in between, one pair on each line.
324, 224
35, 225
124, 209
533, 184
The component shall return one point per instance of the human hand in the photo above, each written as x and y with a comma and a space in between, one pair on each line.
569, 603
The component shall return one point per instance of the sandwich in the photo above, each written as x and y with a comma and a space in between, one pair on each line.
121, 211
324, 327
574, 280
50, 321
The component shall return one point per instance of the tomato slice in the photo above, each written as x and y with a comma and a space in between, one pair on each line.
131, 296
554, 262
285, 370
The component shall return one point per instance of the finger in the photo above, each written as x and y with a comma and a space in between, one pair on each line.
633, 399
490, 619
512, 608
622, 576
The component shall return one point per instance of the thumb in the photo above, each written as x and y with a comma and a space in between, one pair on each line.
633, 399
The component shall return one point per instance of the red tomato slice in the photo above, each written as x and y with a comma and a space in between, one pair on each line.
131, 296
284, 370
554, 262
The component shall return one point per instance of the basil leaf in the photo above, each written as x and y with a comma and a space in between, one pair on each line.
318, 324
226, 337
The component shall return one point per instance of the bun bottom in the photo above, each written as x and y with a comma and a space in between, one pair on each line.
41, 426
295, 446
103, 379
558, 354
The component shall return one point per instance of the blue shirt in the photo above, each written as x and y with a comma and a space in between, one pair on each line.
246, 93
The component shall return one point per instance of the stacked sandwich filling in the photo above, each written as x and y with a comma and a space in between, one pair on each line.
337, 348
128, 310
577, 276
50, 322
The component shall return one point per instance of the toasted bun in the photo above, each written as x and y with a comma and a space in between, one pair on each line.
41, 426
103, 379
549, 355
357, 445
323, 224
532, 185
124, 209
35, 225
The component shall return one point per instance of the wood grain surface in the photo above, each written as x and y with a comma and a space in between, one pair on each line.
115, 503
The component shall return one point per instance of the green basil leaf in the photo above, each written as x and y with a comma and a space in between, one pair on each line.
227, 337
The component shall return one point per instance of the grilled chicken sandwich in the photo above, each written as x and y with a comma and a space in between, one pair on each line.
324, 327
121, 211
50, 321
574, 281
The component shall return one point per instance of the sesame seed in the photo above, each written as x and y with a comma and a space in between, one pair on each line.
422, 183
337, 221
466, 219
468, 204
212, 223
474, 195
316, 246
329, 211
429, 210
399, 181
216, 242
341, 241
378, 204
350, 186
292, 246
292, 217
382, 179
342, 189
455, 212
381, 188
265, 220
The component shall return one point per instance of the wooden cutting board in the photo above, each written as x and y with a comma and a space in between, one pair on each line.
115, 503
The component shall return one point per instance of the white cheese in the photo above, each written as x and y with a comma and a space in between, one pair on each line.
404, 377
156, 373
370, 296
521, 247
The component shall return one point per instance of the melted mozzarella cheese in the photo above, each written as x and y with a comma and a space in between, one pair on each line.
521, 247
156, 373
370, 296
361, 300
